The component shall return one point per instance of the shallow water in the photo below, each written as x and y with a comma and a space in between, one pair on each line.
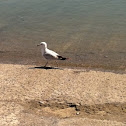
91, 32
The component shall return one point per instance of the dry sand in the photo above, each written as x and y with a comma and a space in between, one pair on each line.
32, 96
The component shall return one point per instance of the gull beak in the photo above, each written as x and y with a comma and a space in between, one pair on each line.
38, 45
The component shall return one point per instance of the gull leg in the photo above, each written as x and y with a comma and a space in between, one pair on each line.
56, 63
46, 64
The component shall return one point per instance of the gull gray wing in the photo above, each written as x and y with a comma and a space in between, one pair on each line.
49, 56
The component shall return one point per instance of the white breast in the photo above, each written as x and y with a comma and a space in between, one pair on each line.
43, 51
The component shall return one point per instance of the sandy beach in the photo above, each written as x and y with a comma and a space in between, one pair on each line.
88, 89
31, 95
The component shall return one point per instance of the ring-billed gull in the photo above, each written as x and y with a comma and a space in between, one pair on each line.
49, 54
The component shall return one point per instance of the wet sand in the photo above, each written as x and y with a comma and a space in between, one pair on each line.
91, 33
32, 95
109, 61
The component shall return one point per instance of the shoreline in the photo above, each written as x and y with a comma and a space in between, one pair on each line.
60, 66
21, 58
65, 95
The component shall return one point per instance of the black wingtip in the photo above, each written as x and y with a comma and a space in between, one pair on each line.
62, 58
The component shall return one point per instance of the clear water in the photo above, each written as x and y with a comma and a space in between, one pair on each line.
90, 32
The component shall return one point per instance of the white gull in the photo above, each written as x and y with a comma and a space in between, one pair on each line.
49, 54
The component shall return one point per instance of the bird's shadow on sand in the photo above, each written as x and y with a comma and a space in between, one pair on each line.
46, 68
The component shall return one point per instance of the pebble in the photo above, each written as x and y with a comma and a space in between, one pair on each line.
105, 56
41, 102
77, 113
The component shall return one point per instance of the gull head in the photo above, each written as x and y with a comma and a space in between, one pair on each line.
43, 44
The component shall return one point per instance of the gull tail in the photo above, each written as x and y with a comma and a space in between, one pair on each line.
62, 58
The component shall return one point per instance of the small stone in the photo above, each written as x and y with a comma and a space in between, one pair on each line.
105, 56
41, 102
77, 113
